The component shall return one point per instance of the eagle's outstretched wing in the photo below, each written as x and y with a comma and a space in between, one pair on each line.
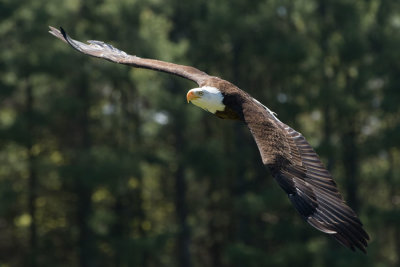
102, 50
298, 170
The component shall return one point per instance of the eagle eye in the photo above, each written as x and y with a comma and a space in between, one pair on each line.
200, 93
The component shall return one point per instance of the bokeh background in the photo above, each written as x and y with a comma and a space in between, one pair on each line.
106, 165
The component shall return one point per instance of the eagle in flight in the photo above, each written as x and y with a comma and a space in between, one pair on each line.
287, 154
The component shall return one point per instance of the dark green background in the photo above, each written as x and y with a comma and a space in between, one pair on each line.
105, 165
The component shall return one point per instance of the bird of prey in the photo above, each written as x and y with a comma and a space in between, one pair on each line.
289, 157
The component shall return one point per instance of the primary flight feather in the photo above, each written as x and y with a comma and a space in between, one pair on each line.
290, 158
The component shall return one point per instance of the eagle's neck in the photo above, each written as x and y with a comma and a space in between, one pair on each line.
228, 114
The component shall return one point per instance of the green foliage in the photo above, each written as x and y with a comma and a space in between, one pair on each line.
104, 165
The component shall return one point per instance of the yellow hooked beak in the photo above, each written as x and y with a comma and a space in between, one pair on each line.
191, 96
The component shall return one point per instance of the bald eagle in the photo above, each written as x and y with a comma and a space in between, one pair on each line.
287, 154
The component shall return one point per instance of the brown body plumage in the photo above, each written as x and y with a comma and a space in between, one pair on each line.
292, 161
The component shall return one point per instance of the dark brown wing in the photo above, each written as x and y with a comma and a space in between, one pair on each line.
298, 170
102, 50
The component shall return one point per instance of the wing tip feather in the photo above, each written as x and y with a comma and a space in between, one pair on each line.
64, 34
57, 33
353, 237
350, 238
361, 244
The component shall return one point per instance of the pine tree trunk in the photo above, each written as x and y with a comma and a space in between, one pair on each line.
183, 241
350, 163
32, 179
84, 192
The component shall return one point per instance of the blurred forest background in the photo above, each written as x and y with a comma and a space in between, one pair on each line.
106, 165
